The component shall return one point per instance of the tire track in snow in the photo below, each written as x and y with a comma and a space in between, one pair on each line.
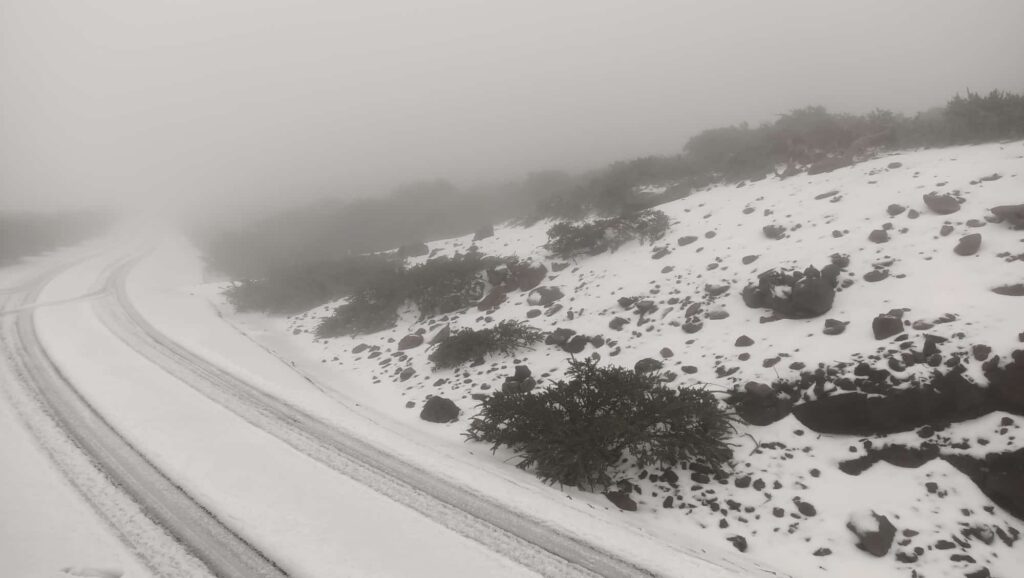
163, 526
526, 540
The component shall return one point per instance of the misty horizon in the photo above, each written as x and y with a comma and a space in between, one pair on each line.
258, 104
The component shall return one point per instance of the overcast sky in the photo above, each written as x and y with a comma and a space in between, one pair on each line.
145, 101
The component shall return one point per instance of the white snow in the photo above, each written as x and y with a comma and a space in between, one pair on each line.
864, 521
44, 523
926, 279
315, 522
309, 520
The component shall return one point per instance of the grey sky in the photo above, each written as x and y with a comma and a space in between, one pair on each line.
149, 102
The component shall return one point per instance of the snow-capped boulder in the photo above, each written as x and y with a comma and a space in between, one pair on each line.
874, 532
544, 296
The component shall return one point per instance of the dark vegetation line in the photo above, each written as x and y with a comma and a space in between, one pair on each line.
304, 257
28, 234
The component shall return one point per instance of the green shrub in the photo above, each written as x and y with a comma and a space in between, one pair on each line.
567, 240
575, 432
469, 345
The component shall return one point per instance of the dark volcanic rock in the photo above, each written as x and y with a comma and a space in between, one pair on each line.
834, 326
409, 342
617, 323
875, 541
744, 341
968, 245
692, 326
876, 275
897, 455
544, 296
758, 404
576, 345
439, 410
894, 209
1010, 290
941, 204
559, 336
647, 365
774, 231
878, 236
794, 294
1006, 384
999, 476
621, 501
514, 385
684, 241
885, 326
1011, 214
527, 276
748, 259
739, 542
950, 398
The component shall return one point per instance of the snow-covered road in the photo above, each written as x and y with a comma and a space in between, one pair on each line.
199, 469
47, 525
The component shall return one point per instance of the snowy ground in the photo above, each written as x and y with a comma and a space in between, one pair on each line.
46, 529
823, 215
786, 496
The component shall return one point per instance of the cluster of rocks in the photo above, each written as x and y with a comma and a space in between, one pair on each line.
510, 277
796, 294
521, 382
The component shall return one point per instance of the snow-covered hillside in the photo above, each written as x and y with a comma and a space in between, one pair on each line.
915, 315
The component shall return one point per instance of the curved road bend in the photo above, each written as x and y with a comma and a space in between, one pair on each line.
194, 528
527, 540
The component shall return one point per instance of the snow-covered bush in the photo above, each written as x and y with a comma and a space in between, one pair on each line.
567, 239
468, 345
446, 284
576, 431
437, 286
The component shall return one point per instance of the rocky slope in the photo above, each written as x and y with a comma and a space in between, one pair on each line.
867, 324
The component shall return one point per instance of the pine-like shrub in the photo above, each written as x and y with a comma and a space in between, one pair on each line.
467, 344
437, 286
446, 284
568, 239
576, 431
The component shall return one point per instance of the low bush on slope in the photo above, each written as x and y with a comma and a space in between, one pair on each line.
568, 239
468, 345
440, 285
306, 285
576, 431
